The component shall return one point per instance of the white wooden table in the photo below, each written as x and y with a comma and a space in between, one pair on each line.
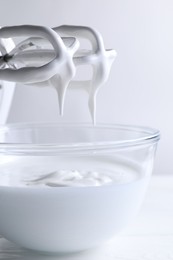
150, 237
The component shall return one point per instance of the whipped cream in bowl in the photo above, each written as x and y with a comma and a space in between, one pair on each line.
67, 188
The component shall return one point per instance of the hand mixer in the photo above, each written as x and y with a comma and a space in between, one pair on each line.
49, 57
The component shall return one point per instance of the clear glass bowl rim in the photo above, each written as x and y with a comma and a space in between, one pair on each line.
150, 136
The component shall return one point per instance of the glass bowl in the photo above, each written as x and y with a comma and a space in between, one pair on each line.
67, 188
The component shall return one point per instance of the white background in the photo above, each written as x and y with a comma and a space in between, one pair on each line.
139, 90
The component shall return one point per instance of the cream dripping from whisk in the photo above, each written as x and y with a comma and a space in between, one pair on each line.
49, 57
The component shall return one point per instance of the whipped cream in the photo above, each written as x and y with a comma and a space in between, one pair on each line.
70, 178
68, 172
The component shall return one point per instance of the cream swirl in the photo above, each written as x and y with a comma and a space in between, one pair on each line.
71, 178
